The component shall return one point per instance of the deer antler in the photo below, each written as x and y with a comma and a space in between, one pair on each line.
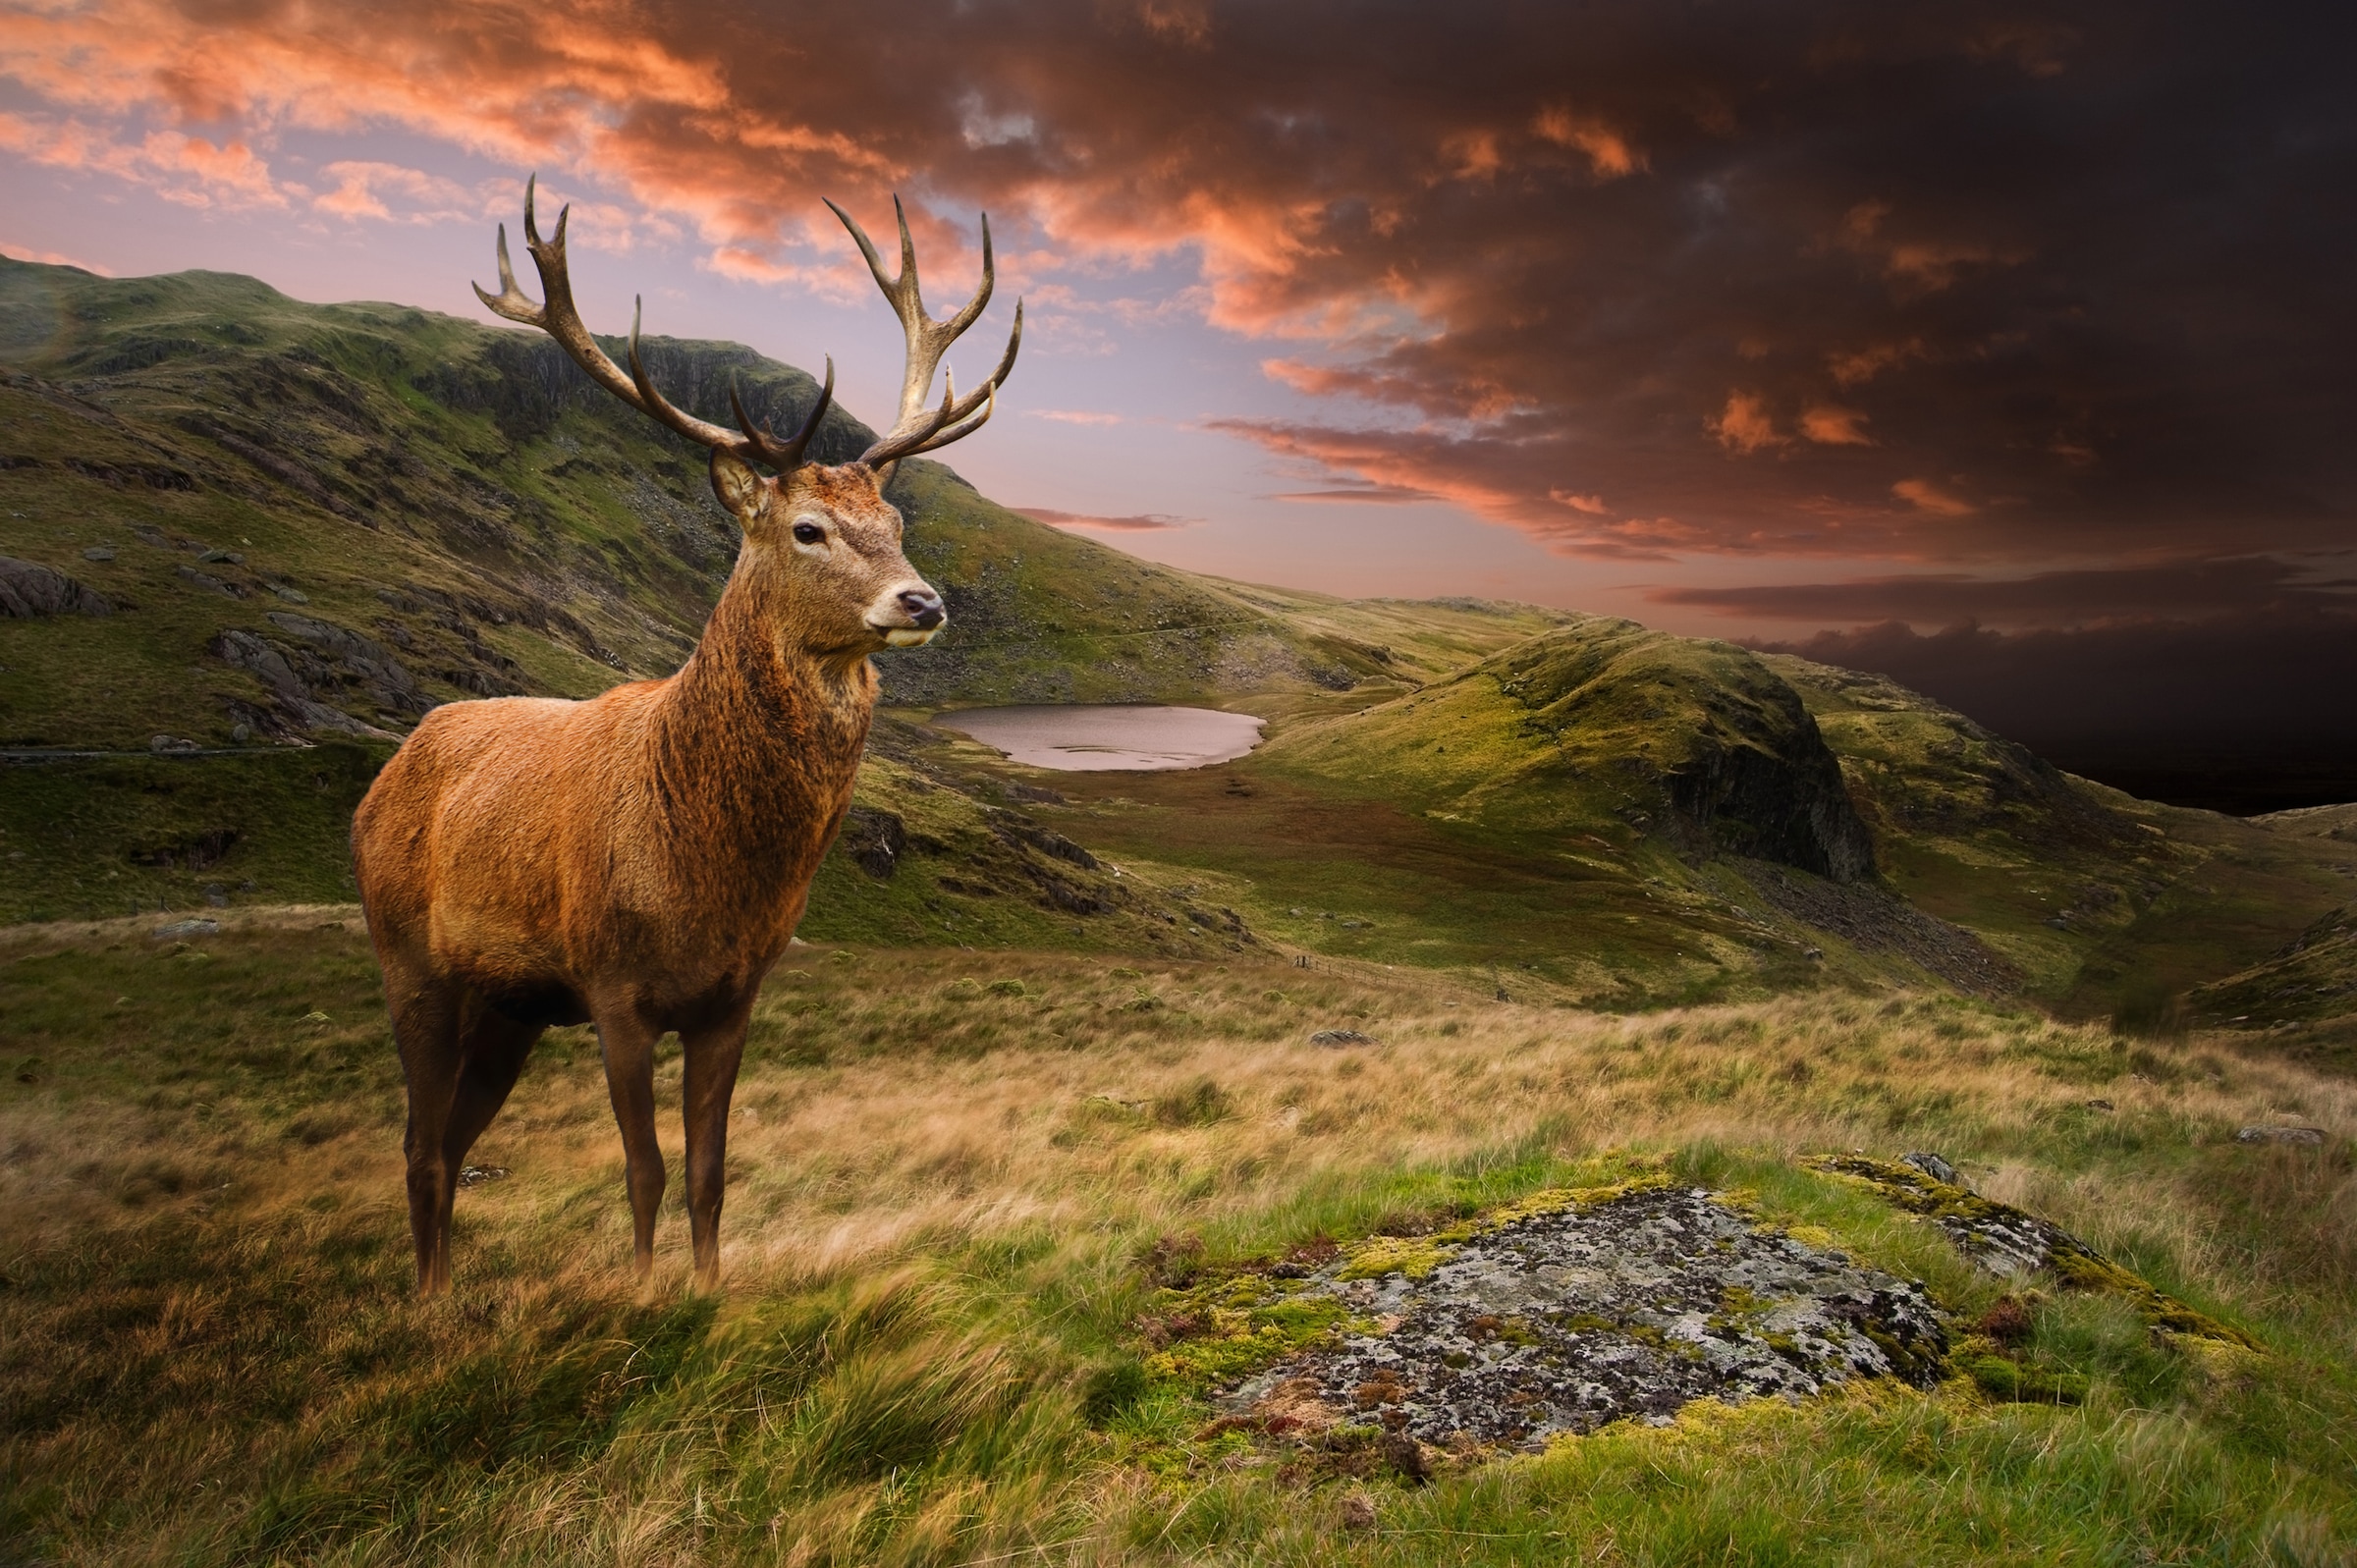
559, 318
919, 428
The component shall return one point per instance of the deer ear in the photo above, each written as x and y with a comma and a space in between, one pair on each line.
736, 484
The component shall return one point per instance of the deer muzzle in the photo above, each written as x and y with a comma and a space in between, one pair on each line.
908, 618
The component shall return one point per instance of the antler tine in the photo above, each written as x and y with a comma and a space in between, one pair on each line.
558, 316
788, 456
918, 426
963, 427
658, 408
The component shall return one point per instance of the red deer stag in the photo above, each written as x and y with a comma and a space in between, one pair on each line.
638, 861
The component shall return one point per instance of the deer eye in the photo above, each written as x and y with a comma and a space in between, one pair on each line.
808, 533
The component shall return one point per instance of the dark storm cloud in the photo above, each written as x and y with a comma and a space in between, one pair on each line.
2179, 591
1973, 283
2241, 712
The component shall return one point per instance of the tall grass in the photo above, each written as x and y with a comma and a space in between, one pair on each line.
944, 1199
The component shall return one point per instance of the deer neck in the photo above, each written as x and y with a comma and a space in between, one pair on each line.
757, 741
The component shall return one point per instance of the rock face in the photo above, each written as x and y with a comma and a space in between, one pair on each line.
1571, 1317
28, 589
326, 662
1741, 764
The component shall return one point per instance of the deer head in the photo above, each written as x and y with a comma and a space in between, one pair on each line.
822, 542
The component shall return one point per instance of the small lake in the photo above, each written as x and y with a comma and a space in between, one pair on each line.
1130, 738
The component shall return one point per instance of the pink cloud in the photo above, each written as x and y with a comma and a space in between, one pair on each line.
1142, 522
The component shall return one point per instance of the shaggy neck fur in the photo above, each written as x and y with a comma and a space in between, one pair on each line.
756, 747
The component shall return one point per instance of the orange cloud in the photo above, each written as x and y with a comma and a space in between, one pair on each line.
1832, 426
190, 171
1744, 426
1607, 151
1925, 496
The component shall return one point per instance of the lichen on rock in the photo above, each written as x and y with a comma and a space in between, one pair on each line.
1569, 1315
2005, 1240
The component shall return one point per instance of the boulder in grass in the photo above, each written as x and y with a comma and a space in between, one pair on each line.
1336, 1038
1934, 1167
30, 590
2304, 1137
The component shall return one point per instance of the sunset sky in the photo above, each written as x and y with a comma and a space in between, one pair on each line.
1760, 319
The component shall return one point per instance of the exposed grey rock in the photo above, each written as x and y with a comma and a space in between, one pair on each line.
28, 589
2308, 1137
331, 662
1339, 1038
181, 930
476, 1176
1932, 1166
207, 581
1566, 1320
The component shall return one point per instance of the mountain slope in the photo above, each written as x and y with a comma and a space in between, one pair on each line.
298, 511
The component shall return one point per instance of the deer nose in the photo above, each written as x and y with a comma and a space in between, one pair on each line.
925, 607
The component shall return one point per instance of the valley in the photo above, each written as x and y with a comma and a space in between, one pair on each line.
1513, 912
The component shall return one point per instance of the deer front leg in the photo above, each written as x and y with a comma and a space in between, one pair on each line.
712, 1057
627, 1043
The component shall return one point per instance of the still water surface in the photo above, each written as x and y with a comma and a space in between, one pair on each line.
1130, 738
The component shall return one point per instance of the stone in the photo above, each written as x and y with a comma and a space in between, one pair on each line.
476, 1176
181, 930
163, 743
2304, 1137
99, 553
1934, 1167
1336, 1038
1569, 1319
30, 590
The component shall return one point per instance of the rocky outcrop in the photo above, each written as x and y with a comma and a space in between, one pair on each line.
308, 677
1582, 1312
29, 590
1723, 748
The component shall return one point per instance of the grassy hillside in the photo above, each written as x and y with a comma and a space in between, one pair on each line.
974, 1196
405, 508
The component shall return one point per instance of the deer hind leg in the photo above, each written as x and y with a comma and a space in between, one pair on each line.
492, 1051
627, 1043
709, 1078
425, 1019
